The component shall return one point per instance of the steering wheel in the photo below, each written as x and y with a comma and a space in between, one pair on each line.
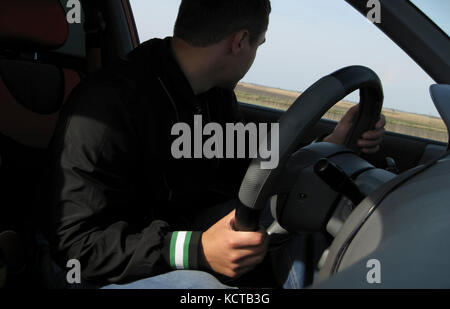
258, 184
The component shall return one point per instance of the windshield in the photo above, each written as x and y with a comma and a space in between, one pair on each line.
437, 10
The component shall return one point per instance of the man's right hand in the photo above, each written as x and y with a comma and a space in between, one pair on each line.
230, 252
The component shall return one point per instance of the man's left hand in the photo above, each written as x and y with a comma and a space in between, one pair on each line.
369, 142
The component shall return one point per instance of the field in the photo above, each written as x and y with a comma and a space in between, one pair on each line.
400, 122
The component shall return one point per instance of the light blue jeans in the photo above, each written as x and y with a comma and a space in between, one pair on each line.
179, 279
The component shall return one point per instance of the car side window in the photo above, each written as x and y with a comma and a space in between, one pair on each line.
307, 40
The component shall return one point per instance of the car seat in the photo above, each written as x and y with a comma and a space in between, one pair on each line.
31, 95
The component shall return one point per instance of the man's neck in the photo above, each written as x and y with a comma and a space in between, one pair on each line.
195, 64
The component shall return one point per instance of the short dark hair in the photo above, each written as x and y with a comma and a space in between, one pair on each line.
206, 22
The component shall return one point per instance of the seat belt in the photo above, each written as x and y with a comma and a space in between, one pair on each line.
374, 200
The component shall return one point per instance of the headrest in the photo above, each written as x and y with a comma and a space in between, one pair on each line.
32, 24
38, 87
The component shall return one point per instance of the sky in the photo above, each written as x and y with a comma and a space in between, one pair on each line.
308, 39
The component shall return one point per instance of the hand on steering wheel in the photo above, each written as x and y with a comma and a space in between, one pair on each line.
369, 142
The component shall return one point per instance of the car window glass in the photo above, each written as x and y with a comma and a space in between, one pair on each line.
307, 40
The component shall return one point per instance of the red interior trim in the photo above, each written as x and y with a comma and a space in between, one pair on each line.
31, 23
71, 80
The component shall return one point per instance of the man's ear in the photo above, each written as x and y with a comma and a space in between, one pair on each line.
239, 41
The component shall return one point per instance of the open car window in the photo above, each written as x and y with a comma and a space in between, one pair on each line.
307, 40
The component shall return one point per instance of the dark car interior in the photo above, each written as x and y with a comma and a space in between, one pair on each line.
43, 58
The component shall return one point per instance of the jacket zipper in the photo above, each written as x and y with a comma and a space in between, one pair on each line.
170, 99
198, 110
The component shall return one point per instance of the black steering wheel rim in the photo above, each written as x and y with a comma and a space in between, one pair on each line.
304, 113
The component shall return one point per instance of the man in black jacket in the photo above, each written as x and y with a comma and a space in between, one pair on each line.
121, 204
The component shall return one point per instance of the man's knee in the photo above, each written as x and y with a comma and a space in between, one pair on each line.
179, 279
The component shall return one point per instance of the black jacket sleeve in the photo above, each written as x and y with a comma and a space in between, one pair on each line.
97, 218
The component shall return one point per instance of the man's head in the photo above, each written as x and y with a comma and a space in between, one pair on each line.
230, 30
206, 22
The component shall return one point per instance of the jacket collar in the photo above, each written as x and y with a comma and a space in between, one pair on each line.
157, 61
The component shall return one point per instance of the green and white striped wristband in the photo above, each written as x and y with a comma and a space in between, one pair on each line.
179, 250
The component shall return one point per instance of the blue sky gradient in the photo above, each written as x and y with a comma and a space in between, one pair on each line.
307, 40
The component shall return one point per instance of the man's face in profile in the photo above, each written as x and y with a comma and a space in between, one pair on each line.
240, 65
